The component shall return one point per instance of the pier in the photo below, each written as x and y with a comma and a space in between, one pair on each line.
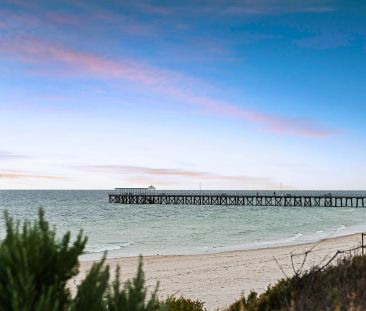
231, 197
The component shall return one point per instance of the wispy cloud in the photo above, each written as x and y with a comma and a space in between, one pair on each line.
62, 18
153, 180
143, 171
153, 8
6, 155
40, 52
242, 7
44, 19
270, 7
296, 126
325, 41
25, 175
71, 62
17, 22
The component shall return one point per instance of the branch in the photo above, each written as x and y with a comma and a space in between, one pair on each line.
283, 272
337, 253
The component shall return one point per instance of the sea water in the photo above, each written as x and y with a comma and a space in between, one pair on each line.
130, 230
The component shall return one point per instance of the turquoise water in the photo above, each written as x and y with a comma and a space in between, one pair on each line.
129, 230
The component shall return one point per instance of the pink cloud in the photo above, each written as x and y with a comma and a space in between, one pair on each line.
65, 19
38, 52
269, 7
27, 19
25, 175
242, 7
154, 9
17, 21
152, 181
143, 173
268, 122
283, 125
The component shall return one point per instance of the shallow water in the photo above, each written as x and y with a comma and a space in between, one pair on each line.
129, 230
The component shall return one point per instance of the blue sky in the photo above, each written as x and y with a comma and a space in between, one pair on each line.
223, 94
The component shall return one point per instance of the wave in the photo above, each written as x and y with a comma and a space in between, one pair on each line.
297, 235
107, 247
282, 241
255, 245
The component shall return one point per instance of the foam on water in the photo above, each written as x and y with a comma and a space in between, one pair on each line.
98, 248
130, 230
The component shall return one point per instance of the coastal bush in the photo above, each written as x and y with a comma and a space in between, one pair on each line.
132, 297
181, 304
91, 292
35, 267
337, 287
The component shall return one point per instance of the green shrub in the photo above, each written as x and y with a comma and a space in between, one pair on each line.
182, 304
35, 267
133, 296
337, 287
91, 292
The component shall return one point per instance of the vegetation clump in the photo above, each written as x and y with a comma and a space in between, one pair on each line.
181, 304
35, 267
335, 287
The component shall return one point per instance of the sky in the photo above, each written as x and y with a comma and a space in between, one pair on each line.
220, 94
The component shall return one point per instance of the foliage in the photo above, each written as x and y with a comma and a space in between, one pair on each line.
337, 287
91, 292
35, 268
133, 296
181, 304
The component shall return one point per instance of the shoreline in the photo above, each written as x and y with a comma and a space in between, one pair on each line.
218, 279
290, 245
291, 241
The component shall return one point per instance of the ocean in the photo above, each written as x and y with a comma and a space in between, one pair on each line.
130, 230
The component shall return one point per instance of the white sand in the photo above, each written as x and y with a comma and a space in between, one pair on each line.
220, 279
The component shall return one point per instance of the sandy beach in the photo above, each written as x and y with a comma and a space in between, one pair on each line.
221, 278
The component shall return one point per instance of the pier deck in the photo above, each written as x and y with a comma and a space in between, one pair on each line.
194, 197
